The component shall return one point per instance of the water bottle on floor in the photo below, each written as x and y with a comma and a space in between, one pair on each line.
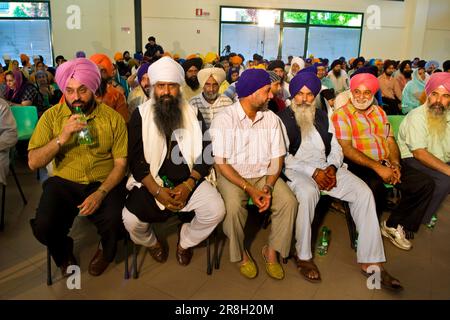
322, 248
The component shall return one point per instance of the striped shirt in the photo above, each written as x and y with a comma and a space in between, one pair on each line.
248, 146
208, 110
368, 131
82, 163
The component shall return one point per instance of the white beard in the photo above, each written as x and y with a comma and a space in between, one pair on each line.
361, 106
305, 116
437, 122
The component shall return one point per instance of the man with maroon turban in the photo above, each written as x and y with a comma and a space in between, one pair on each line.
424, 139
88, 179
369, 146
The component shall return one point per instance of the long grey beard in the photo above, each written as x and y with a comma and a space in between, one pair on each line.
437, 120
305, 115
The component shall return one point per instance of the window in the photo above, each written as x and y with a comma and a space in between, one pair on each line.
279, 33
25, 28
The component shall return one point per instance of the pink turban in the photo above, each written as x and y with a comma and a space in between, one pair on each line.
366, 79
436, 80
81, 69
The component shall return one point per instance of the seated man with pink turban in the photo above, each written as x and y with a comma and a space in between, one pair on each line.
88, 179
367, 140
424, 140
315, 165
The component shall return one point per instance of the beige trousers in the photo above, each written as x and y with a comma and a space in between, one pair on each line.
284, 211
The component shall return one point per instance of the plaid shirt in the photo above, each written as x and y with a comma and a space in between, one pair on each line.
368, 131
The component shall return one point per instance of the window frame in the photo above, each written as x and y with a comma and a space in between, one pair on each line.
283, 24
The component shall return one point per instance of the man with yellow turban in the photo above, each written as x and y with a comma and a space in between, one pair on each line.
209, 101
88, 179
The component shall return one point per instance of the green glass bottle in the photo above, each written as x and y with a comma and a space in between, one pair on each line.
167, 183
322, 248
84, 136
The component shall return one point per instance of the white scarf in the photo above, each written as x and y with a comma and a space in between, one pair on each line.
189, 139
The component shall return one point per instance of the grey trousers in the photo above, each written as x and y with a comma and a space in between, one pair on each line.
284, 211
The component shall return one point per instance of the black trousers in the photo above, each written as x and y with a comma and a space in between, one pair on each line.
416, 191
58, 209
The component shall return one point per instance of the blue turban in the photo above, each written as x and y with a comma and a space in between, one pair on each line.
430, 63
251, 81
142, 71
311, 69
308, 79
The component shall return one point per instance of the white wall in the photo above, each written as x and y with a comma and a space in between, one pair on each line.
100, 32
408, 29
175, 25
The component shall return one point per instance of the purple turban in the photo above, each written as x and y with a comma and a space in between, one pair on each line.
250, 81
308, 79
436, 80
80, 54
81, 69
142, 71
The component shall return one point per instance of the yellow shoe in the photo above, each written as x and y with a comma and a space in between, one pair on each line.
248, 269
273, 269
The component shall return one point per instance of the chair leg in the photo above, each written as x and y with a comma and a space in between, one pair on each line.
216, 254
2, 218
135, 272
125, 243
11, 168
351, 225
49, 268
208, 257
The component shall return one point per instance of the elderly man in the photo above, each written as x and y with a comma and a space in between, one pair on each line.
141, 93
322, 75
166, 148
192, 87
106, 92
210, 102
315, 164
372, 154
249, 149
424, 139
86, 179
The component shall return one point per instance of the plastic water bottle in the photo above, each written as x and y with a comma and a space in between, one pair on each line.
84, 136
322, 248
432, 222
167, 183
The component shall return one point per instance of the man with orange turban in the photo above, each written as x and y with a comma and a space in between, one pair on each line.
106, 92
88, 179
367, 139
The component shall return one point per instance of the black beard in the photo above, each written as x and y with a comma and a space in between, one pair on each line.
407, 74
85, 107
167, 117
337, 74
192, 83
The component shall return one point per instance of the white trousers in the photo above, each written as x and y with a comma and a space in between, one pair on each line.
362, 207
209, 210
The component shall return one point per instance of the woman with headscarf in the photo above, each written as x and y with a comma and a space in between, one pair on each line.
20, 92
48, 90
232, 77
414, 89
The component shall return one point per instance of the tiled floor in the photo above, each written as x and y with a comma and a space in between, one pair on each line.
424, 271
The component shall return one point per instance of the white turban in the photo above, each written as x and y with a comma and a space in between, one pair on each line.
217, 73
166, 70
298, 61
6, 57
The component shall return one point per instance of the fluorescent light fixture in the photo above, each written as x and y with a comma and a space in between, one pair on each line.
266, 18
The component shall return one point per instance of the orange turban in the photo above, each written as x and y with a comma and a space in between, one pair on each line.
118, 56
102, 60
236, 60
24, 58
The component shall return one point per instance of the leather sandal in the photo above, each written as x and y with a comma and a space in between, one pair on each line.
305, 267
387, 281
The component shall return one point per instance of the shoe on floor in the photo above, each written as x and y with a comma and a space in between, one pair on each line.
396, 236
98, 264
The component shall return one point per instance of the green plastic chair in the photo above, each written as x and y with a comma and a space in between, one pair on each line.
26, 120
395, 121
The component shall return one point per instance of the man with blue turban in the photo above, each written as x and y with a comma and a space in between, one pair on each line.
314, 165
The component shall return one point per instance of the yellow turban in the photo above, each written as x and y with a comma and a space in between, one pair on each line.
217, 73
210, 58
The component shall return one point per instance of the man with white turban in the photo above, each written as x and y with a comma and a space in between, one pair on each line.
209, 101
88, 179
166, 151
424, 140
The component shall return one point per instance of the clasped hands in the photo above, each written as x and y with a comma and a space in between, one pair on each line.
325, 179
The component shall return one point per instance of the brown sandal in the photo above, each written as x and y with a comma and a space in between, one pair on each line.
387, 281
305, 268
